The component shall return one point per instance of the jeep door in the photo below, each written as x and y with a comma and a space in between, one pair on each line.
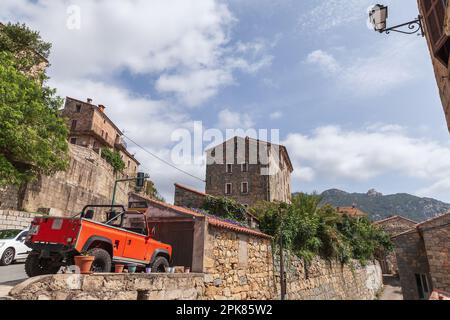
137, 242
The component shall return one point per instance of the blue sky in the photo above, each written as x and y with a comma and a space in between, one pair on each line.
356, 109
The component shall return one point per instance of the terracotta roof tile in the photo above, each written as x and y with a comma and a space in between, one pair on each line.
211, 220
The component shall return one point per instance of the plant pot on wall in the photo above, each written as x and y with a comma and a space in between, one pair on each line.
118, 268
84, 263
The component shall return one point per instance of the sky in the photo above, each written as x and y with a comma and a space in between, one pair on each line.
356, 109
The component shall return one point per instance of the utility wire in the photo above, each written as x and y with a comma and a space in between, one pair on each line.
162, 160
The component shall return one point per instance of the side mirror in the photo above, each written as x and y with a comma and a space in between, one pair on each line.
22, 239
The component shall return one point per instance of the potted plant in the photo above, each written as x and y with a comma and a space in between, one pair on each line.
84, 262
118, 268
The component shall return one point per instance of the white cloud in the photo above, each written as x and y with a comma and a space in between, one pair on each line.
234, 120
175, 41
324, 60
360, 155
389, 67
276, 115
332, 14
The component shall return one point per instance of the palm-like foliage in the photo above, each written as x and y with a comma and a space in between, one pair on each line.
310, 230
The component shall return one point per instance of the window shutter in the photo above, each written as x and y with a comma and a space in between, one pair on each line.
434, 16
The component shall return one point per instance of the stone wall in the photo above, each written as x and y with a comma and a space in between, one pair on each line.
441, 71
9, 197
330, 280
88, 180
10, 219
242, 267
393, 226
111, 287
187, 198
237, 266
436, 237
411, 260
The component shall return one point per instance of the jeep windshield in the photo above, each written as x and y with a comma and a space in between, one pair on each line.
8, 234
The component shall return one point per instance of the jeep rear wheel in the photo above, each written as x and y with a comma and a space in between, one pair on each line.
102, 260
35, 266
160, 264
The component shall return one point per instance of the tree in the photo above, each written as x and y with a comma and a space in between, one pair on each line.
26, 45
33, 138
309, 230
114, 159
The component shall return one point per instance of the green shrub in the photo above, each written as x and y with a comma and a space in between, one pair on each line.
309, 230
225, 208
114, 159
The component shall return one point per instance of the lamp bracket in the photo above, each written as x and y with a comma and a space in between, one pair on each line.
413, 27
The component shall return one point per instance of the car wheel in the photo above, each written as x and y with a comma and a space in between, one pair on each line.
160, 265
102, 260
7, 257
35, 266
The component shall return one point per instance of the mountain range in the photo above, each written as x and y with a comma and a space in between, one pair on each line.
379, 206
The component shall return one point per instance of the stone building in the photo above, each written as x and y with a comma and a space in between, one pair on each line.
351, 211
249, 171
91, 128
89, 179
393, 226
423, 258
436, 23
191, 198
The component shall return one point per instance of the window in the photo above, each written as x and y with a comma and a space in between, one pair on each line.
103, 133
228, 188
229, 168
73, 140
78, 108
106, 136
244, 167
434, 15
74, 125
244, 187
422, 286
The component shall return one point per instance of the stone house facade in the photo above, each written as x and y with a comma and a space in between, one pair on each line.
89, 179
249, 171
393, 226
436, 15
91, 128
423, 258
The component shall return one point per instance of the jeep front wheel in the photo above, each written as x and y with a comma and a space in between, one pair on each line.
160, 265
102, 260
35, 266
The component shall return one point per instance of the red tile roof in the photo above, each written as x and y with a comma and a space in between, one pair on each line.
395, 217
351, 211
211, 220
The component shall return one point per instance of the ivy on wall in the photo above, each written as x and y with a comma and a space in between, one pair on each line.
114, 159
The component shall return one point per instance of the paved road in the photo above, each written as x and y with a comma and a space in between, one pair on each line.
392, 288
10, 276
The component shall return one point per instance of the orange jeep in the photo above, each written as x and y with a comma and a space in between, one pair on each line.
123, 238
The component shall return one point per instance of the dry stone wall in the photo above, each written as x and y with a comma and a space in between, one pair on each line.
111, 287
329, 280
237, 266
10, 219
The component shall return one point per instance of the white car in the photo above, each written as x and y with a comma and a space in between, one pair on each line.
12, 246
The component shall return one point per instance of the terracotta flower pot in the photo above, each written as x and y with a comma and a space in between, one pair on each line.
84, 263
118, 268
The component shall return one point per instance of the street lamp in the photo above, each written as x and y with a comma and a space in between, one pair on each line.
378, 15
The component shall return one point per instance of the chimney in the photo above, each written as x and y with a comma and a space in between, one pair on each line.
101, 108
89, 100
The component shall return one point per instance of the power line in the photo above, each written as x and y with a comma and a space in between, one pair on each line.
162, 160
